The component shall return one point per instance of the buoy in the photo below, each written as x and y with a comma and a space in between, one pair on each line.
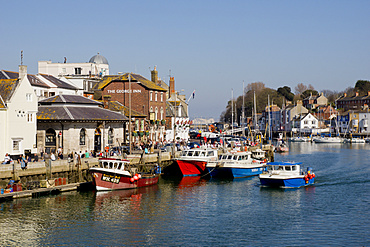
139, 175
135, 177
132, 180
313, 175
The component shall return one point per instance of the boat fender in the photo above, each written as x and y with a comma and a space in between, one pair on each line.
132, 180
306, 178
135, 177
313, 175
139, 176
264, 160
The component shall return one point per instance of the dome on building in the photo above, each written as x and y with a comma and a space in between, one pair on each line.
99, 59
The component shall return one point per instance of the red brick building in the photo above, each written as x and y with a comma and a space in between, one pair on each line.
147, 98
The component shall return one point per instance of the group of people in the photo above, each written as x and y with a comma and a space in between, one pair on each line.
21, 159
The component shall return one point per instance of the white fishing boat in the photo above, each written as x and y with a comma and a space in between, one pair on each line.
299, 139
235, 165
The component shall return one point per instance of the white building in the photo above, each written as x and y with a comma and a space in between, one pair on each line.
18, 108
305, 123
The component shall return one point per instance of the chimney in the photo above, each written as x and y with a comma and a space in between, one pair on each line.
154, 75
106, 99
356, 94
22, 71
172, 85
299, 102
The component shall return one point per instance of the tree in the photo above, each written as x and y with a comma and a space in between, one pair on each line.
256, 86
300, 88
362, 86
308, 92
286, 92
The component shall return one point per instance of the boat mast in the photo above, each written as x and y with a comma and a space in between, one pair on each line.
243, 132
232, 112
269, 123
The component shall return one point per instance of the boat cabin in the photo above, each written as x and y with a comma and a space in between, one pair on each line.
113, 164
258, 154
284, 168
236, 156
199, 153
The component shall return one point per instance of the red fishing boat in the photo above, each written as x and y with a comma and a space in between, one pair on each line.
118, 174
193, 162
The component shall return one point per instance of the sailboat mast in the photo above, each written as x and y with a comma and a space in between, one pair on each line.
243, 109
232, 111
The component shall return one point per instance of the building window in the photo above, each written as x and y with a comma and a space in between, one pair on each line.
29, 117
156, 96
29, 97
110, 136
161, 113
16, 145
151, 96
162, 97
78, 71
156, 113
82, 137
142, 125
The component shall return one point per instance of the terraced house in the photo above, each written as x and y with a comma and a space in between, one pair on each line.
18, 108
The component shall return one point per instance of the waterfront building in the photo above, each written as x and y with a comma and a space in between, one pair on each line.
353, 102
75, 123
177, 118
305, 123
45, 86
355, 122
147, 98
18, 108
84, 76
275, 118
289, 112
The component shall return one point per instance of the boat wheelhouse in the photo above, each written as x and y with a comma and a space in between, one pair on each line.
286, 174
235, 165
116, 174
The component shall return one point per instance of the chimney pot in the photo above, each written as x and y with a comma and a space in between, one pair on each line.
22, 71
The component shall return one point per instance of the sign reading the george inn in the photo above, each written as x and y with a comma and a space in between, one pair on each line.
124, 91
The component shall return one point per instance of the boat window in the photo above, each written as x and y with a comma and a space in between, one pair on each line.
287, 168
105, 164
100, 164
110, 165
240, 157
294, 168
119, 166
229, 157
210, 153
235, 157
190, 153
270, 168
196, 153
281, 168
224, 157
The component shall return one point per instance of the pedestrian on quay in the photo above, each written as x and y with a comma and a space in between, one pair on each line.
22, 160
52, 156
7, 159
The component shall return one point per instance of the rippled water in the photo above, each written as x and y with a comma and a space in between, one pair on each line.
194, 212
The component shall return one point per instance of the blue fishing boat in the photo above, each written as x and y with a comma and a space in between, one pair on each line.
286, 174
235, 165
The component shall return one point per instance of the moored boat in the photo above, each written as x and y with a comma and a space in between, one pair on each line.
282, 147
286, 174
328, 140
235, 165
116, 174
193, 162
354, 140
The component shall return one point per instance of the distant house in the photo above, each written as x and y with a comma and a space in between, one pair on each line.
275, 118
18, 108
314, 101
289, 112
354, 102
355, 121
305, 123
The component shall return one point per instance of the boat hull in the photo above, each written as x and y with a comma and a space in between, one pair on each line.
104, 180
281, 182
227, 172
191, 167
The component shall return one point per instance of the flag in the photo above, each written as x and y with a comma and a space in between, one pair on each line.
193, 94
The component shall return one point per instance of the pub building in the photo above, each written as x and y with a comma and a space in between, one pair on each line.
147, 99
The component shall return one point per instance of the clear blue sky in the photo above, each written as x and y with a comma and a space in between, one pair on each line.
209, 46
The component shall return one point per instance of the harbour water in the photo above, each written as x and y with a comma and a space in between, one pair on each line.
196, 212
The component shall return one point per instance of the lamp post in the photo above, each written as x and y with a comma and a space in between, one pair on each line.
129, 114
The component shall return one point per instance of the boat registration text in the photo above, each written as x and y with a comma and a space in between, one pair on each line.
110, 178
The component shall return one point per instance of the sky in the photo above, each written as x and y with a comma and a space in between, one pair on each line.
212, 47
